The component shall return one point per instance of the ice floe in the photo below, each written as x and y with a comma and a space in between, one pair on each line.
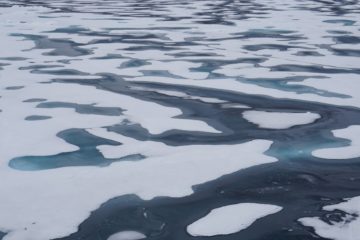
346, 228
230, 219
352, 150
279, 120
127, 235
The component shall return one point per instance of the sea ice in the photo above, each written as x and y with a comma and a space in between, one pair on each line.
279, 120
230, 219
351, 151
348, 228
127, 235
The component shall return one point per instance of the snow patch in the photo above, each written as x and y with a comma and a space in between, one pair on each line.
346, 229
127, 235
352, 151
279, 120
230, 219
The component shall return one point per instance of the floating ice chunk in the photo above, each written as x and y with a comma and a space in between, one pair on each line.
279, 120
234, 105
186, 96
346, 229
230, 219
351, 151
127, 235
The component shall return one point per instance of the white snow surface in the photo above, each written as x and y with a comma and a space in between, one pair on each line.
347, 229
127, 235
279, 120
351, 151
230, 219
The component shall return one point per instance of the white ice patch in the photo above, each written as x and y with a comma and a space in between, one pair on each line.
230, 219
127, 235
279, 120
347, 229
234, 105
352, 151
